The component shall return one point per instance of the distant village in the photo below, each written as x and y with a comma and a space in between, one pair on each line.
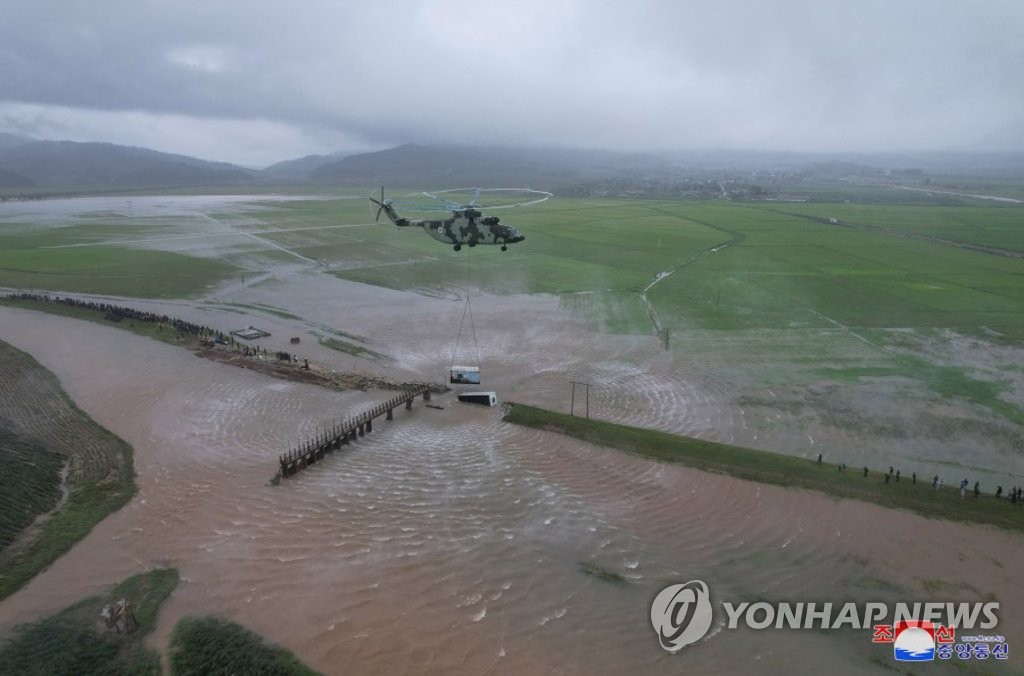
804, 185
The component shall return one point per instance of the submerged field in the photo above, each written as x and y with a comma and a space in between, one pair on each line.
811, 310
814, 312
755, 265
731, 266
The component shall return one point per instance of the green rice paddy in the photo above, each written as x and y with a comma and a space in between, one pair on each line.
732, 265
107, 270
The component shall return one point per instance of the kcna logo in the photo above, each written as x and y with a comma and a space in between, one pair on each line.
681, 614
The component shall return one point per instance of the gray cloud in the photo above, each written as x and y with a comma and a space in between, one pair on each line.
258, 81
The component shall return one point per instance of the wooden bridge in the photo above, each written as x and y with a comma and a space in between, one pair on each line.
328, 441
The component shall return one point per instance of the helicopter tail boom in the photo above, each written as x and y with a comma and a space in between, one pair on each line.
384, 206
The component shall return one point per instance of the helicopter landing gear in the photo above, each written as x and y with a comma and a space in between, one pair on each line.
458, 247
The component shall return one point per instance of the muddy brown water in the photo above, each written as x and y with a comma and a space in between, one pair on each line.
447, 541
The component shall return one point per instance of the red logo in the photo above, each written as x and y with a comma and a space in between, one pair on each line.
883, 633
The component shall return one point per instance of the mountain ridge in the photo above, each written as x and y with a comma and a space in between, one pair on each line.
42, 166
92, 165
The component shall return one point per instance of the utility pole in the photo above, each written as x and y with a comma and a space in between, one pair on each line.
587, 385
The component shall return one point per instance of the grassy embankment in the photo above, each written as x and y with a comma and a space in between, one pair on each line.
168, 334
29, 483
71, 642
210, 645
74, 640
778, 469
154, 330
42, 430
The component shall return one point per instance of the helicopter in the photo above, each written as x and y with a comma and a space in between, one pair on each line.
467, 224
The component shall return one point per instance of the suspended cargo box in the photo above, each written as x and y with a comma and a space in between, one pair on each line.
485, 398
467, 375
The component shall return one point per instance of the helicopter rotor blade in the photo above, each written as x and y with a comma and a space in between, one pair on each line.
489, 198
379, 203
451, 206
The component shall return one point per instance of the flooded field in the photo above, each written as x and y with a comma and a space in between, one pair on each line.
447, 540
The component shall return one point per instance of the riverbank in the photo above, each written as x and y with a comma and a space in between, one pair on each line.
502, 534
206, 342
98, 477
828, 477
71, 641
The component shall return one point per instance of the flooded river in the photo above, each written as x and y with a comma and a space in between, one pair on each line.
448, 540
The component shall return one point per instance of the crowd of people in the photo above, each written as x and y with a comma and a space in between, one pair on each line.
213, 338
1015, 495
118, 312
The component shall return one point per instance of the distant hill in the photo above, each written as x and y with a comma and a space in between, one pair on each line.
301, 168
417, 165
71, 165
31, 165
9, 179
11, 140
845, 162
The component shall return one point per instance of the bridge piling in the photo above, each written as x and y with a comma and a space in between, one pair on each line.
308, 451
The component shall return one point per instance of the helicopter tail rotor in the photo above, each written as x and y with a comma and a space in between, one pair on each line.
379, 203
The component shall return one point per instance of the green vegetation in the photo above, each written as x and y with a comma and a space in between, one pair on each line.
349, 348
29, 483
572, 246
49, 426
75, 641
86, 506
775, 468
107, 270
986, 226
734, 266
770, 293
947, 381
210, 645
749, 265
259, 307
789, 271
70, 643
165, 334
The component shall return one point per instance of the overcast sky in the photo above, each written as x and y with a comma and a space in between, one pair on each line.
254, 82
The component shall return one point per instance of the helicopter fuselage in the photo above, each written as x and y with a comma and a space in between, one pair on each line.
466, 227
